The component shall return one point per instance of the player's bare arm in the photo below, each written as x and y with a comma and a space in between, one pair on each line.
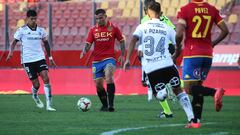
179, 37
85, 49
122, 47
130, 50
10, 54
48, 50
224, 32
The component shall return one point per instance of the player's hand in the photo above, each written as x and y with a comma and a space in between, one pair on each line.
52, 63
121, 60
81, 55
126, 65
10, 54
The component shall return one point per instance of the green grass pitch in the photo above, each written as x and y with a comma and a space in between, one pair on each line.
133, 116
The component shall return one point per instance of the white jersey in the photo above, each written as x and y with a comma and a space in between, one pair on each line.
155, 36
31, 48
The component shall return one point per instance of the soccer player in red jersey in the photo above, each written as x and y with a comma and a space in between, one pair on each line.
103, 34
196, 20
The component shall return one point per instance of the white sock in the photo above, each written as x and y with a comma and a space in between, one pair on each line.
34, 92
186, 105
149, 94
48, 94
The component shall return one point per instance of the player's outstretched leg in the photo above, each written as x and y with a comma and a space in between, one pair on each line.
111, 94
48, 94
36, 98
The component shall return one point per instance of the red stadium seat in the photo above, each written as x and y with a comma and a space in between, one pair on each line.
73, 31
126, 30
75, 14
57, 31
66, 14
83, 31
65, 31
69, 40
77, 40
62, 23
79, 22
70, 22
235, 38
59, 41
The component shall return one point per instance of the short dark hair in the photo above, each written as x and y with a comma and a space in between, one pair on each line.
32, 13
146, 3
100, 11
155, 6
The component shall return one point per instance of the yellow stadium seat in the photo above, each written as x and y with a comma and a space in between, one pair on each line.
109, 12
126, 12
175, 3
121, 4
212, 2
220, 3
130, 4
233, 18
20, 23
104, 5
171, 11
135, 12
166, 3
164, 10
1, 7
183, 2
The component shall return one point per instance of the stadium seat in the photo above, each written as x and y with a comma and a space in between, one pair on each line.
212, 2
79, 22
57, 31
230, 27
235, 38
135, 12
174, 4
104, 4
70, 22
122, 21
220, 3
65, 31
126, 12
117, 12
77, 40
126, 30
82, 31
67, 14
237, 27
166, 3
72, 6
75, 14
171, 12
61, 23
113, 3
74, 31
109, 12
57, 14
132, 21
183, 2
233, 18
69, 40
121, 4
59, 41
131, 4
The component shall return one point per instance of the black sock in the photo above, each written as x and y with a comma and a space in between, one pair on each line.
204, 91
102, 96
197, 105
111, 93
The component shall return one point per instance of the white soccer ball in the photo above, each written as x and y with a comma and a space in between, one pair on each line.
84, 104
162, 94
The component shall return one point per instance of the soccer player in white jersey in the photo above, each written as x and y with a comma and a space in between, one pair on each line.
33, 57
155, 35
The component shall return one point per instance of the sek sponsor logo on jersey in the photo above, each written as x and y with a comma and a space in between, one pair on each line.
103, 36
156, 58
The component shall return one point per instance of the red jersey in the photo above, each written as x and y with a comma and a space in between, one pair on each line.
199, 18
104, 39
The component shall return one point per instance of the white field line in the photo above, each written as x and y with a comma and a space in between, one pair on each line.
112, 132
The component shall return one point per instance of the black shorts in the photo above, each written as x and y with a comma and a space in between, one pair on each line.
34, 68
159, 78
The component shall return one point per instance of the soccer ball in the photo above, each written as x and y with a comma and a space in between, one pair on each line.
84, 104
162, 94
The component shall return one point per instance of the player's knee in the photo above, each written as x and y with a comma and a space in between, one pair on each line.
36, 85
46, 80
99, 86
109, 80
